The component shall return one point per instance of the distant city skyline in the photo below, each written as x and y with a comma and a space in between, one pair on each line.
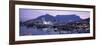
27, 14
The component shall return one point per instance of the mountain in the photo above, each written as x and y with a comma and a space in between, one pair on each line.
46, 17
57, 19
67, 18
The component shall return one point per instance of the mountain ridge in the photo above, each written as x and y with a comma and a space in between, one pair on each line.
57, 18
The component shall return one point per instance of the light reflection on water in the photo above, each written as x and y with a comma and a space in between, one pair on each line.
46, 31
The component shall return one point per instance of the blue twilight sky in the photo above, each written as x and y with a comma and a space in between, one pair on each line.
27, 14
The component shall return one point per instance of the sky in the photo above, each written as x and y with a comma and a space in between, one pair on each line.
27, 14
